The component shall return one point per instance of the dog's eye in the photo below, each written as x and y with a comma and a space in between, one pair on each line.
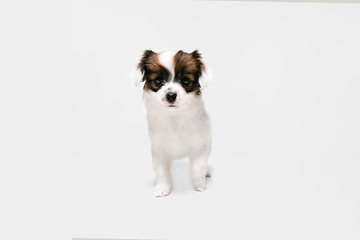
185, 81
157, 80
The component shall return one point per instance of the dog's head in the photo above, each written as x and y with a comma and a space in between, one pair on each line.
171, 78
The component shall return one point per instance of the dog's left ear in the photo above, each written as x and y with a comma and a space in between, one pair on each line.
205, 75
205, 78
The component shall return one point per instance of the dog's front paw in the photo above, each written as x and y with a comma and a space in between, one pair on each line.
200, 185
161, 191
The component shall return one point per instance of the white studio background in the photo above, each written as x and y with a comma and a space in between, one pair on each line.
284, 104
35, 119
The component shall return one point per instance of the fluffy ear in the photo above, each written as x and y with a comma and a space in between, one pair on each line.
205, 78
137, 74
205, 72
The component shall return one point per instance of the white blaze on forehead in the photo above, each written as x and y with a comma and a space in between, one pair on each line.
166, 58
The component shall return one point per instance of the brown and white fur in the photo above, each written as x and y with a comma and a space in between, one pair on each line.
178, 124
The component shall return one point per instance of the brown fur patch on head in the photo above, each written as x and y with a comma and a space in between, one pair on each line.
188, 66
153, 71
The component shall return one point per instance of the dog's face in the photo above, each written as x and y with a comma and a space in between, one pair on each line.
172, 79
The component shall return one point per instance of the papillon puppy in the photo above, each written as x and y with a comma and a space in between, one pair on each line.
178, 124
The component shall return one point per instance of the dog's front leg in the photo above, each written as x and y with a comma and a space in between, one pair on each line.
199, 171
163, 177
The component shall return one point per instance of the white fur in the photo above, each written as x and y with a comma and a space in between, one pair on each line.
205, 78
136, 76
166, 58
177, 132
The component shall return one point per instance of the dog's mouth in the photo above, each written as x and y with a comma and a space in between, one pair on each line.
172, 105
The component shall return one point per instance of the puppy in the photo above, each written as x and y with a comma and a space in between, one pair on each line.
178, 124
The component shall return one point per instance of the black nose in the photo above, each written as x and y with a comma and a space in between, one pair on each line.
171, 97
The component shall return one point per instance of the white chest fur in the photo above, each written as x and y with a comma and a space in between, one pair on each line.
179, 136
178, 133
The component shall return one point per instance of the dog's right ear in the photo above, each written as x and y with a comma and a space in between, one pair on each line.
137, 74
